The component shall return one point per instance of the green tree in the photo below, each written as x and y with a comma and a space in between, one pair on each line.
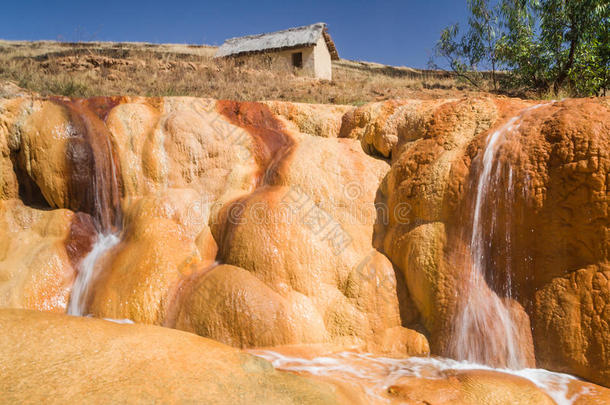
483, 32
517, 49
545, 45
465, 54
591, 71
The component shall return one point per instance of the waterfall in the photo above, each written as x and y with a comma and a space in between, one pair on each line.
88, 271
485, 330
94, 187
94, 178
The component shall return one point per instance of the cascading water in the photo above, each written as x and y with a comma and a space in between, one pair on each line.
88, 272
94, 175
95, 185
486, 335
485, 331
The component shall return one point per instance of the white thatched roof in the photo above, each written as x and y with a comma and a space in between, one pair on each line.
291, 38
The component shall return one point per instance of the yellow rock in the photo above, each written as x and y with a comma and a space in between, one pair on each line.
160, 246
314, 119
38, 135
309, 231
57, 359
232, 306
286, 197
39, 254
469, 387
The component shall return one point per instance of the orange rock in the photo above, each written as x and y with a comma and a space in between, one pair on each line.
58, 359
232, 306
469, 387
161, 244
313, 240
313, 119
554, 222
572, 321
297, 216
40, 254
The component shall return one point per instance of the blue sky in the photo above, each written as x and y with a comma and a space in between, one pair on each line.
392, 32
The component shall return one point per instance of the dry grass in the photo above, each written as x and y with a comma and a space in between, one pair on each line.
94, 69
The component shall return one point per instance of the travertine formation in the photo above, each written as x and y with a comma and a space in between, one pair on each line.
268, 224
58, 359
289, 216
549, 228
41, 251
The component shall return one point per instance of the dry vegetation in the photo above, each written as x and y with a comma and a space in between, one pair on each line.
96, 68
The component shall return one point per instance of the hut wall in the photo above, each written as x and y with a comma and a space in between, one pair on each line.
283, 60
323, 67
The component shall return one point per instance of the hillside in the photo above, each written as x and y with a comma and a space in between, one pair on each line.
87, 69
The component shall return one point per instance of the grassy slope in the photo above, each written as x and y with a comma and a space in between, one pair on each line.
104, 68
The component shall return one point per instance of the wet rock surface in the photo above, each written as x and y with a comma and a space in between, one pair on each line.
273, 224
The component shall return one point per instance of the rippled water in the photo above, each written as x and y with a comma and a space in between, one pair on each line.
376, 374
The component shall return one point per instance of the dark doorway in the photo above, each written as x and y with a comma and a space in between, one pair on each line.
297, 59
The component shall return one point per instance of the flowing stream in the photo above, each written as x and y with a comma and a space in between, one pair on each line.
377, 374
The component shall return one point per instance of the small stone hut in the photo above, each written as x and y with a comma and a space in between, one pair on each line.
308, 49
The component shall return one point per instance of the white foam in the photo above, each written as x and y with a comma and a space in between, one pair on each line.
124, 321
375, 374
87, 273
484, 330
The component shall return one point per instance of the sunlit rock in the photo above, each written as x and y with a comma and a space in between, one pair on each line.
90, 360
